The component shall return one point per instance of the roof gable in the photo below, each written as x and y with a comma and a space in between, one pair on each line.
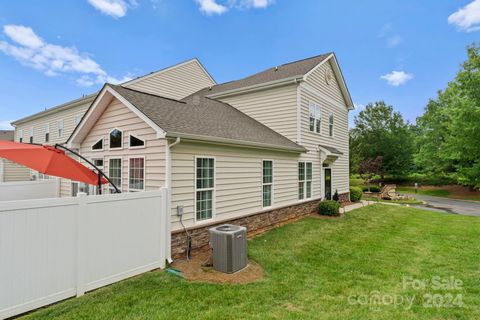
193, 118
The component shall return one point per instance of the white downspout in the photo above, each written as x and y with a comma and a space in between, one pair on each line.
168, 185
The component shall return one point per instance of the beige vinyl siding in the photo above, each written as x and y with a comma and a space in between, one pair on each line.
317, 80
176, 83
67, 115
276, 108
14, 172
118, 116
238, 180
311, 140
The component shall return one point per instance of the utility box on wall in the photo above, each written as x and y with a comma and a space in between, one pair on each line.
229, 245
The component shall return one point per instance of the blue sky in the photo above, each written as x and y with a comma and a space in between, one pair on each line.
400, 51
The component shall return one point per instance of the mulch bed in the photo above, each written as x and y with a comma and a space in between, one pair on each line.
194, 270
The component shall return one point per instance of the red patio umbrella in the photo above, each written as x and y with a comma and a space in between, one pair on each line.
50, 161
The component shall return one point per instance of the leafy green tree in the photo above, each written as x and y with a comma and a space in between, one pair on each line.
381, 131
449, 131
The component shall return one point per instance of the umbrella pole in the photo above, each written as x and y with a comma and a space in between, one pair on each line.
99, 183
100, 172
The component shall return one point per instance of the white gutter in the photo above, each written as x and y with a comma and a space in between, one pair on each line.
237, 143
168, 185
257, 87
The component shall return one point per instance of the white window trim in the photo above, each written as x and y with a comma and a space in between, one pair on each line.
144, 174
60, 126
20, 135
196, 222
103, 145
121, 172
272, 184
136, 136
331, 124
305, 182
47, 131
30, 136
121, 141
315, 105
92, 187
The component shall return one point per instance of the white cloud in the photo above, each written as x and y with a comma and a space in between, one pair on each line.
211, 7
23, 35
397, 78
32, 51
5, 125
467, 18
394, 41
113, 8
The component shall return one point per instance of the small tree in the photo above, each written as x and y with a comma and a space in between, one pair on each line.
369, 168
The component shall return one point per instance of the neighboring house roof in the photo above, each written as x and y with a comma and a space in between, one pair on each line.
195, 118
331, 150
292, 72
89, 98
296, 69
6, 135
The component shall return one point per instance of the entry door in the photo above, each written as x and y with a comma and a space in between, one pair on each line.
328, 183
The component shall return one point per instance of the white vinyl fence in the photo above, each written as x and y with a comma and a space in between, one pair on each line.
25, 190
52, 249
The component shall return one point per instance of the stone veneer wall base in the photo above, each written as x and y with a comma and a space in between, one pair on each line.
256, 224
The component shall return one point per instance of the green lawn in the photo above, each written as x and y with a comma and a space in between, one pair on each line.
433, 192
312, 268
405, 201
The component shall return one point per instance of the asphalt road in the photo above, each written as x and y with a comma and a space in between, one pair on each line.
464, 207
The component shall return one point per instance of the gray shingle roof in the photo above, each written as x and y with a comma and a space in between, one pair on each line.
205, 118
6, 135
284, 71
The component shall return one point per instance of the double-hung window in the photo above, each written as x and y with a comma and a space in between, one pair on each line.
60, 128
315, 118
267, 183
47, 132
205, 187
31, 135
330, 125
136, 174
115, 173
304, 180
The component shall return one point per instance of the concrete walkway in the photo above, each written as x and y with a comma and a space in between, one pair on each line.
357, 205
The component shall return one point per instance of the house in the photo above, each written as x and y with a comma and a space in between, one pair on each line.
10, 171
56, 124
255, 151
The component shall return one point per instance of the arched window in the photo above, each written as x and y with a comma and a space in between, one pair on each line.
116, 139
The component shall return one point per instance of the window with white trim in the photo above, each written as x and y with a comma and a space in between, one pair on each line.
330, 125
98, 145
98, 162
20, 133
47, 132
136, 174
116, 139
267, 183
205, 186
136, 142
77, 119
31, 135
304, 180
115, 173
60, 128
315, 117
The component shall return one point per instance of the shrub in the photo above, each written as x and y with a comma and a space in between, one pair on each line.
356, 182
355, 194
329, 208
372, 189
